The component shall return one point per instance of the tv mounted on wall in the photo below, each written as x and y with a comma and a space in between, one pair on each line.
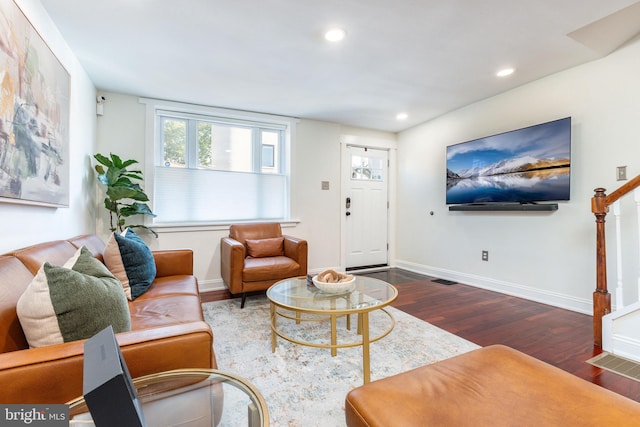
523, 166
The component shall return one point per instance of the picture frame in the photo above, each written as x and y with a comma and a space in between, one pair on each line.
34, 115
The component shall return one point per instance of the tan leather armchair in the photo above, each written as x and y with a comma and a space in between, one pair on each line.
257, 255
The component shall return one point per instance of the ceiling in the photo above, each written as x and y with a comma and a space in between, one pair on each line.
422, 57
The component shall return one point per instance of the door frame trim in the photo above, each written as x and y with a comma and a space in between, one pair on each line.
389, 145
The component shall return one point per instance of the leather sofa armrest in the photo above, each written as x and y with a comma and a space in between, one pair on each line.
232, 255
174, 262
296, 249
53, 374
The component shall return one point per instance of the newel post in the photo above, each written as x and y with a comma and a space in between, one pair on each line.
601, 296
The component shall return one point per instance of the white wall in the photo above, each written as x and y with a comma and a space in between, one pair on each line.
22, 225
548, 257
315, 158
543, 256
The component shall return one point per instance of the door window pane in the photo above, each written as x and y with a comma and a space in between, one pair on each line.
366, 168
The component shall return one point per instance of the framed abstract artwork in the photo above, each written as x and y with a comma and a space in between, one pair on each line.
34, 115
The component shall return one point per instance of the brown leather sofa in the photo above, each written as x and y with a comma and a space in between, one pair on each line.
493, 386
167, 326
251, 260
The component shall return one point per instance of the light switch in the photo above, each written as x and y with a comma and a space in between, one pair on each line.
325, 185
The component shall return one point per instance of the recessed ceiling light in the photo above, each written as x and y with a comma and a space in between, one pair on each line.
505, 72
335, 34
402, 116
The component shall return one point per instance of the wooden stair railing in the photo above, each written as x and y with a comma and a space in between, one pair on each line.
600, 203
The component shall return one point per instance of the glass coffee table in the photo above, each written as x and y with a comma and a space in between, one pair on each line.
191, 397
297, 299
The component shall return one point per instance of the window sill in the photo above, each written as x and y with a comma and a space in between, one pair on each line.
213, 226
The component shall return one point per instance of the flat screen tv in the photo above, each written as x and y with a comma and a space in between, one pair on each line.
522, 166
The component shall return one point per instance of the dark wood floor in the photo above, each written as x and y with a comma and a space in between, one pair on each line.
560, 337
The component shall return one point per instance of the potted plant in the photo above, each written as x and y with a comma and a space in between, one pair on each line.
124, 197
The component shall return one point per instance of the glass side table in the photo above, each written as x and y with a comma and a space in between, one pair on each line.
191, 397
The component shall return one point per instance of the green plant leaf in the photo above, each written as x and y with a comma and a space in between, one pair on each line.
140, 196
117, 161
110, 205
136, 209
132, 191
103, 160
123, 181
121, 192
129, 163
134, 174
113, 175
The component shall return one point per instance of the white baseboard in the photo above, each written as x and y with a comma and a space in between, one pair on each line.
211, 285
626, 347
543, 296
614, 339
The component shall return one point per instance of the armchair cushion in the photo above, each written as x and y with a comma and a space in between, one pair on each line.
72, 302
129, 259
269, 268
262, 248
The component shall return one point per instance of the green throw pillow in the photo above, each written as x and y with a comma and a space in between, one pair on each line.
72, 302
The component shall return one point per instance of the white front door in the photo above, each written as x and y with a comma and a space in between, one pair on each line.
365, 206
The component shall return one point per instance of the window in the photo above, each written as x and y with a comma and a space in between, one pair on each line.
219, 168
366, 168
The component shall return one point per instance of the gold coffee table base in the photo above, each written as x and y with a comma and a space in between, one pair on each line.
292, 299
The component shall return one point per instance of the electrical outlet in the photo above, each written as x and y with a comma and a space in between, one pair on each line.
621, 173
485, 255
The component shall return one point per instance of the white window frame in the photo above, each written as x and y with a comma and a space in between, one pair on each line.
154, 155
191, 157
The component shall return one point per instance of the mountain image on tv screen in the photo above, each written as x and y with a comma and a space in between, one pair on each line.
521, 166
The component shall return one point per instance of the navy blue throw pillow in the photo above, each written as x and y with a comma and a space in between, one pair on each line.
129, 259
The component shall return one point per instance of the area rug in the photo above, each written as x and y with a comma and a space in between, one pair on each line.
305, 386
